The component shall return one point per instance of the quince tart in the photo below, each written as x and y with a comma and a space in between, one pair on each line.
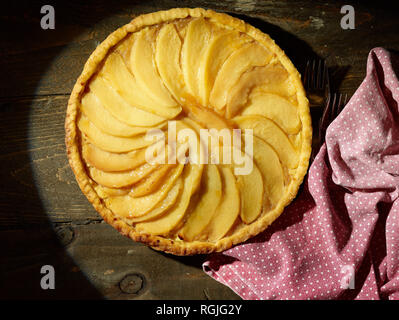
194, 71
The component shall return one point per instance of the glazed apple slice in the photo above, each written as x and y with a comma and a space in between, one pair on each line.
168, 221
164, 205
269, 165
105, 192
197, 38
108, 161
116, 71
144, 69
228, 209
121, 179
102, 119
111, 143
219, 49
276, 108
120, 108
151, 182
267, 130
271, 78
251, 194
211, 193
279, 82
167, 57
248, 56
128, 206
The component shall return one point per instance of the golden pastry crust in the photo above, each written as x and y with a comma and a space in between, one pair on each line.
180, 247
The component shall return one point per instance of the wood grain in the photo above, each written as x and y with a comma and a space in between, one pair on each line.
44, 218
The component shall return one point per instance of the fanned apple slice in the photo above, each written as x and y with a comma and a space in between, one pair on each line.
279, 82
128, 206
204, 116
248, 56
168, 221
102, 119
121, 179
164, 205
276, 108
228, 209
120, 108
110, 143
151, 182
167, 57
252, 195
270, 132
219, 49
204, 211
105, 192
273, 78
108, 161
270, 167
197, 38
116, 71
144, 69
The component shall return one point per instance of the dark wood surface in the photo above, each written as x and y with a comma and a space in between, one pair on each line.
44, 218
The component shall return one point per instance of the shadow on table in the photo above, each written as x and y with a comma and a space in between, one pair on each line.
29, 239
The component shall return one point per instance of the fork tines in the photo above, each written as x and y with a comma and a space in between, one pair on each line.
334, 105
316, 81
315, 75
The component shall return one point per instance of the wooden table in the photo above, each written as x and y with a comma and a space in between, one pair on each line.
44, 217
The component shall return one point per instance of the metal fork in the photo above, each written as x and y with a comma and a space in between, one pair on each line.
333, 107
316, 82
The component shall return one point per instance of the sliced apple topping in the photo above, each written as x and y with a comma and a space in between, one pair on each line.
167, 57
278, 82
228, 209
252, 195
211, 193
248, 56
219, 49
121, 179
117, 73
111, 143
105, 192
272, 78
161, 208
269, 165
270, 132
168, 221
196, 40
105, 121
144, 68
276, 108
151, 182
120, 108
108, 161
129, 206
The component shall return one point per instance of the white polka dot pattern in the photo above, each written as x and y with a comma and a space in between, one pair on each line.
345, 221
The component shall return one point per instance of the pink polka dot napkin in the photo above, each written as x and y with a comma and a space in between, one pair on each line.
339, 239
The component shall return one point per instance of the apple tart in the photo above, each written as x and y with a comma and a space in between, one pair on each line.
177, 78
